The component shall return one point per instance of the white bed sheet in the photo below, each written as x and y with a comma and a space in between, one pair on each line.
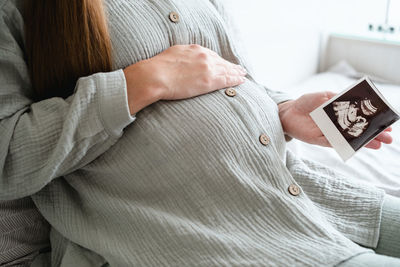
377, 167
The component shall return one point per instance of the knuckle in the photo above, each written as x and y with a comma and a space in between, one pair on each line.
205, 67
195, 46
203, 56
224, 72
175, 47
229, 80
207, 81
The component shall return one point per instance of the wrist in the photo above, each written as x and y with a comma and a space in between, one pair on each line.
284, 109
140, 93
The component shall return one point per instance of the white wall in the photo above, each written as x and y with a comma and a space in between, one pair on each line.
283, 38
394, 14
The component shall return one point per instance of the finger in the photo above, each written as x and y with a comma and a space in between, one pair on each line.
230, 70
374, 144
322, 96
223, 81
236, 70
309, 102
329, 94
212, 52
242, 70
230, 66
221, 61
322, 141
384, 137
389, 129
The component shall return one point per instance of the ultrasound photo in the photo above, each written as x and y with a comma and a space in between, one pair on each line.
360, 114
355, 117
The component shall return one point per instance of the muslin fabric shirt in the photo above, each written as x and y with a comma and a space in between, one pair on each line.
181, 183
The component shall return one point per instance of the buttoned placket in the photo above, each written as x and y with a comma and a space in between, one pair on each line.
294, 190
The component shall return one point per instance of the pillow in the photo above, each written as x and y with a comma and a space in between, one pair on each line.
23, 232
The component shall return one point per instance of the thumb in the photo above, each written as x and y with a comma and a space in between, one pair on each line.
329, 94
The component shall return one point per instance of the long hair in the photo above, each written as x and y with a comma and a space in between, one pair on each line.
65, 40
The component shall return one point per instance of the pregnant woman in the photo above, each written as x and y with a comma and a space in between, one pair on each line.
136, 131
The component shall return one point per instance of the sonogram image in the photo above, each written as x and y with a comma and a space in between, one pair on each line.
360, 114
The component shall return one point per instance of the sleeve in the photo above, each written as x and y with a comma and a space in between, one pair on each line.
235, 40
352, 208
51, 138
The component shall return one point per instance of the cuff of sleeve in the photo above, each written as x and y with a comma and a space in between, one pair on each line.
280, 98
389, 236
114, 108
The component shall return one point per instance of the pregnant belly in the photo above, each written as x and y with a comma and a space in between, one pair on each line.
181, 165
193, 144
186, 176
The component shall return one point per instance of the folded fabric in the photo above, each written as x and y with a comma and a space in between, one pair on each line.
23, 232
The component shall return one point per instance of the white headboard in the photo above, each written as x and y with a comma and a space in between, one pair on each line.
380, 58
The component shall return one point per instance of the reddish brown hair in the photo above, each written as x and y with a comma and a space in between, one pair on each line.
65, 40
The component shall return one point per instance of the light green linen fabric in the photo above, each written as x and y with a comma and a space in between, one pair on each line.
183, 183
389, 239
371, 260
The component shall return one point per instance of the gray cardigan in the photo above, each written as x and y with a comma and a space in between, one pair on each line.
182, 183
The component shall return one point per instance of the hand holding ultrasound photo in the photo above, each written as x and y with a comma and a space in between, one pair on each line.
354, 117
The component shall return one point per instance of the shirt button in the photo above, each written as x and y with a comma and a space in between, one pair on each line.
264, 139
230, 92
174, 17
294, 190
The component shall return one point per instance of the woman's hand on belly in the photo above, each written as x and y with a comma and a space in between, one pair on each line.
180, 72
297, 122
